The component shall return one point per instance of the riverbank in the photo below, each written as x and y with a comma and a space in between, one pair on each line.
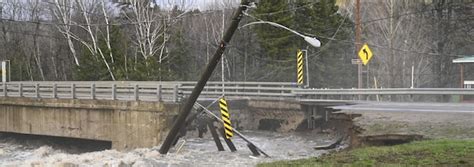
419, 153
398, 136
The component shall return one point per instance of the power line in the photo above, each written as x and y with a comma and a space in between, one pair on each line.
329, 38
199, 14
95, 24
288, 10
31, 34
380, 19
384, 47
427, 9
162, 18
102, 24
62, 24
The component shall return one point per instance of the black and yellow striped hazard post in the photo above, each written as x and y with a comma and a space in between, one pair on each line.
299, 67
226, 118
227, 130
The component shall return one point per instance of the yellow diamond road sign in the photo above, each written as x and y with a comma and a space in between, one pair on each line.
365, 54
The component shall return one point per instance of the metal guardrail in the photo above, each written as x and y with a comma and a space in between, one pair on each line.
91, 90
174, 91
377, 94
244, 89
388, 91
144, 91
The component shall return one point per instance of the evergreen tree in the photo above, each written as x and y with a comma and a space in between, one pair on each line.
124, 67
179, 63
92, 66
310, 18
331, 66
277, 43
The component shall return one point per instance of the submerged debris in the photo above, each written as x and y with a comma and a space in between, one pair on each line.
330, 146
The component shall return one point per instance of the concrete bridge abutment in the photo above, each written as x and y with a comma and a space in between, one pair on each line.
127, 124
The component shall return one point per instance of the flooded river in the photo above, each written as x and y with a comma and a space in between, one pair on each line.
194, 152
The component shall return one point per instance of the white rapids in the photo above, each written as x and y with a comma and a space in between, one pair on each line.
195, 152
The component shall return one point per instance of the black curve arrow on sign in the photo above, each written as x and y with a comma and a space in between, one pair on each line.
366, 54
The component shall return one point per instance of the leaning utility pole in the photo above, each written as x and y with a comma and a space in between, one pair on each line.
179, 123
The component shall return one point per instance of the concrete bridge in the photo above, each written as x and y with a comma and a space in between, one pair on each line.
139, 114
127, 124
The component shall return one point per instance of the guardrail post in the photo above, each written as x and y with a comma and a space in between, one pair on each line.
73, 91
258, 91
55, 90
5, 89
93, 91
20, 89
135, 92
158, 92
175, 93
37, 87
282, 90
114, 92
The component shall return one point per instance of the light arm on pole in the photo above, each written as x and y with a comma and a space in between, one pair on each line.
311, 40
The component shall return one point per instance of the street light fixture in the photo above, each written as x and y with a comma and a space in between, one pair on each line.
311, 40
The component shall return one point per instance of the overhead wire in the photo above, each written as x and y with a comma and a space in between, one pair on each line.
32, 34
270, 13
287, 10
202, 13
374, 20
427, 9
322, 48
105, 24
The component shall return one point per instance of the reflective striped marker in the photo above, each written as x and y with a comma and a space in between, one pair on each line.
226, 118
299, 64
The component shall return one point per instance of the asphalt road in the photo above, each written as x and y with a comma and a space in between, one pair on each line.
409, 107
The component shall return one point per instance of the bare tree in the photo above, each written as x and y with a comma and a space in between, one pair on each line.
149, 28
34, 8
63, 11
422, 34
87, 9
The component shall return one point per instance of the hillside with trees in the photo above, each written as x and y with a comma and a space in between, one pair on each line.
141, 40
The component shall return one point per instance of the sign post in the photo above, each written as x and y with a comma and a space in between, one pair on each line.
307, 66
4, 71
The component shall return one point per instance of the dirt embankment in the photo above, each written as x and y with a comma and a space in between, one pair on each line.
389, 128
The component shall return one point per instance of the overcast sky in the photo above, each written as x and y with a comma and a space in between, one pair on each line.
200, 4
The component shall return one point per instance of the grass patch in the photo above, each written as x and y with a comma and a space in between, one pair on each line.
420, 153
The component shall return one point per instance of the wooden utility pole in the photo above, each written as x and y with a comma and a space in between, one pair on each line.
358, 31
179, 123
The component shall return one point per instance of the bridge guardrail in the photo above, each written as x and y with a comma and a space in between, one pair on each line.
146, 90
388, 91
376, 94
244, 89
174, 91
91, 90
